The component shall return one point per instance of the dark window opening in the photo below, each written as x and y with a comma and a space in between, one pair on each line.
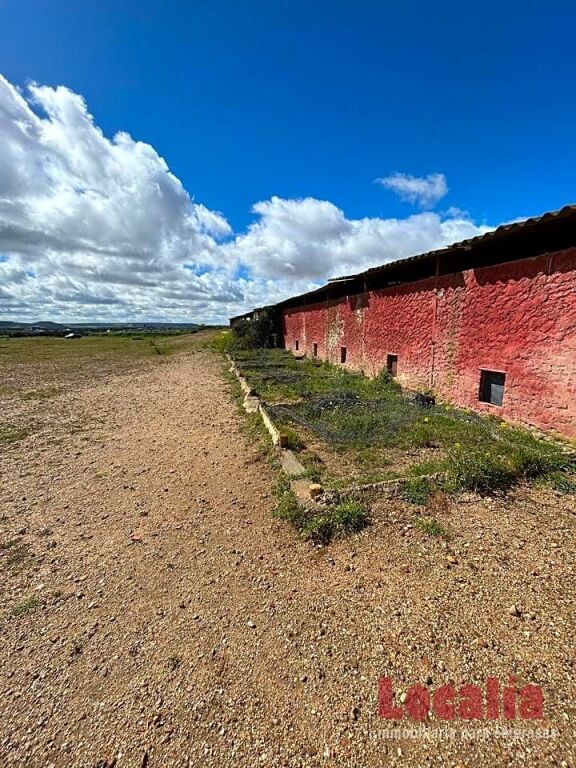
492, 387
315, 349
296, 343
342, 354
392, 364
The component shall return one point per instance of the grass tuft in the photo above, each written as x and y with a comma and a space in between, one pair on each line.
17, 553
318, 527
40, 394
26, 606
12, 434
291, 439
337, 521
222, 342
498, 466
287, 506
417, 491
431, 527
561, 481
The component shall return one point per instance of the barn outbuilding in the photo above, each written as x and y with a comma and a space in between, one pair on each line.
488, 323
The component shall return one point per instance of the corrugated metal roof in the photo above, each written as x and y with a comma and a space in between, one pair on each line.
241, 317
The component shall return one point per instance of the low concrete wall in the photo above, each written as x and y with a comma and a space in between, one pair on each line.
384, 489
277, 438
252, 403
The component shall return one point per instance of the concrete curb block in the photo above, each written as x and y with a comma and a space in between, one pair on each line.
387, 489
290, 463
246, 388
277, 438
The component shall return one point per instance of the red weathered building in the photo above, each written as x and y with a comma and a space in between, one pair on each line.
488, 323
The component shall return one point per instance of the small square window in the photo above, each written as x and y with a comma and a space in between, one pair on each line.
392, 364
315, 349
342, 354
296, 344
492, 387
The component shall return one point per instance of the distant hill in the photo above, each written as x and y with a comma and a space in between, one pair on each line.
46, 325
49, 328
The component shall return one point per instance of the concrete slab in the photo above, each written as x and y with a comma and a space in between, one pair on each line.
292, 466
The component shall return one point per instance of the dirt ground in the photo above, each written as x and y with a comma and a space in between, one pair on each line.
153, 613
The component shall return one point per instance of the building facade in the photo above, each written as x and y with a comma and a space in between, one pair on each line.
488, 324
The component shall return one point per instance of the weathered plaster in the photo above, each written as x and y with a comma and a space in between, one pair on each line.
518, 317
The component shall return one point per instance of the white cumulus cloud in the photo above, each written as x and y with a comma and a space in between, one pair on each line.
424, 191
98, 228
89, 221
310, 239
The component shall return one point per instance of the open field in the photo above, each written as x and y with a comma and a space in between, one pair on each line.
154, 613
45, 364
39, 374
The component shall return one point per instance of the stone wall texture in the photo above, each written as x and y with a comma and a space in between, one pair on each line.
518, 318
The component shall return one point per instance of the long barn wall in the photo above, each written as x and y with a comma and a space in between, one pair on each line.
518, 318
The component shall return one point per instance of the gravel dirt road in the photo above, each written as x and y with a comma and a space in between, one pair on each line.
154, 613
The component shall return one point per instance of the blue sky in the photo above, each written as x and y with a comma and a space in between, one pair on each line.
252, 101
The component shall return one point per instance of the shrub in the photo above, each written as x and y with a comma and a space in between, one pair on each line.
386, 381
251, 334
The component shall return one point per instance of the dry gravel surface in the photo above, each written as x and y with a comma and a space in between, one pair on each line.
153, 612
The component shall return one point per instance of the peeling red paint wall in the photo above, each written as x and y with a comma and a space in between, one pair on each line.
399, 322
518, 317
